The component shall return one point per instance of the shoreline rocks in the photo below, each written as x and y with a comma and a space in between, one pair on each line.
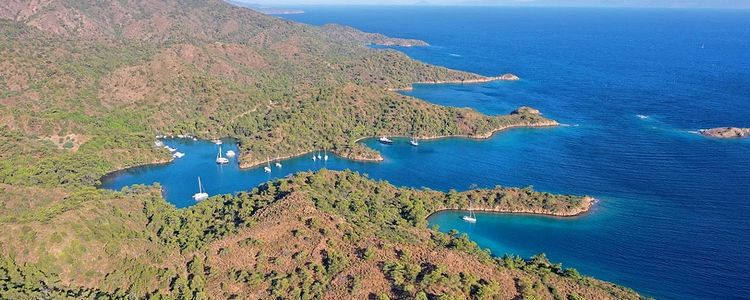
584, 208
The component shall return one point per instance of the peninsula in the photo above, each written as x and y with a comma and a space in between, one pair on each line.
474, 80
325, 234
726, 132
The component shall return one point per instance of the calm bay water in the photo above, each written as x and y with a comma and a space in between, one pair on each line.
673, 218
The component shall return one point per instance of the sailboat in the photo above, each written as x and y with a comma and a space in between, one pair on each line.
414, 142
278, 164
231, 153
267, 168
471, 217
220, 159
325, 155
319, 156
314, 158
201, 195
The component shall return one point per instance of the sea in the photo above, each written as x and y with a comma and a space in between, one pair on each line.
631, 88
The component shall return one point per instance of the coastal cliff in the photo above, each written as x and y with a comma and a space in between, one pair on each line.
726, 132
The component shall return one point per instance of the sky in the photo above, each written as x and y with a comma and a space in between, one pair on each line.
582, 3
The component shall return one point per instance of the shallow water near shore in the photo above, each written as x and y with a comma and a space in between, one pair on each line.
672, 220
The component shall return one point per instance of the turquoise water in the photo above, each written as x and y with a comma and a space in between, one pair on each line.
673, 217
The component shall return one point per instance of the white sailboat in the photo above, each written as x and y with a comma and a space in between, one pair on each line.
314, 158
218, 142
178, 154
278, 165
201, 195
319, 156
471, 217
220, 159
230, 153
414, 142
325, 155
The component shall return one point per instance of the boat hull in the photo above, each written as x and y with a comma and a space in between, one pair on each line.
200, 196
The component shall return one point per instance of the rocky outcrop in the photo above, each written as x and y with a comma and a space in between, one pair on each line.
508, 77
584, 207
726, 132
526, 110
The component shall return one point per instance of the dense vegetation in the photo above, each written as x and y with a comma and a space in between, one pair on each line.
325, 234
100, 87
86, 85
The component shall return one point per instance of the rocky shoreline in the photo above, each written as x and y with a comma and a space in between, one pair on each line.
504, 77
726, 132
376, 157
586, 207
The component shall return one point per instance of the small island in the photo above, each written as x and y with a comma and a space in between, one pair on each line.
726, 132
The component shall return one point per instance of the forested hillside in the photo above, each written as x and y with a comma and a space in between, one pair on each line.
86, 85
89, 80
333, 235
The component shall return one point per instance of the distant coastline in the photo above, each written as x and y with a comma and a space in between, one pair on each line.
267, 10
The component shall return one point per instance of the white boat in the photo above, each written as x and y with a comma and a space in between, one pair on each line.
278, 165
201, 195
170, 149
195, 139
385, 140
471, 218
325, 155
159, 143
218, 142
181, 136
314, 158
230, 153
319, 156
220, 159
268, 167
178, 155
414, 142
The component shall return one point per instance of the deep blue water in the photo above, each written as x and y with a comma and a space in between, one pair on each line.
673, 218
